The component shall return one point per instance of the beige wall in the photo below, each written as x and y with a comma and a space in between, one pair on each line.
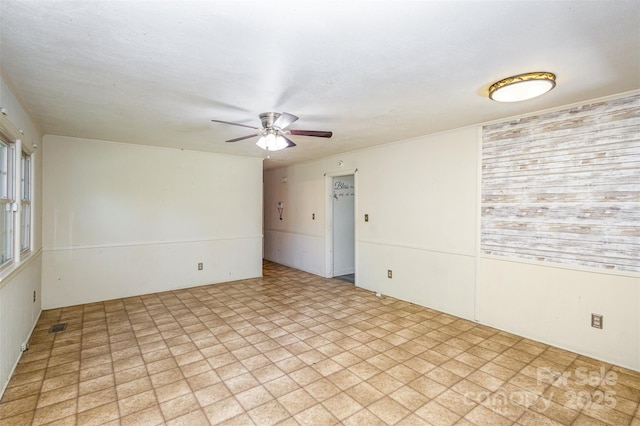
123, 219
422, 197
553, 304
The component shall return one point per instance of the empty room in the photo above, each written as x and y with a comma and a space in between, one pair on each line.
319, 213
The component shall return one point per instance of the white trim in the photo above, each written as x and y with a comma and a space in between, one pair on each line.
17, 181
355, 226
32, 175
420, 248
11, 139
342, 173
10, 270
8, 129
328, 180
146, 243
328, 240
476, 314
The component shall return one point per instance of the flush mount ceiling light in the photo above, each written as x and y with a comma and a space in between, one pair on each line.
522, 87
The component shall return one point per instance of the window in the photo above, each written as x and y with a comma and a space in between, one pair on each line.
25, 202
7, 201
16, 171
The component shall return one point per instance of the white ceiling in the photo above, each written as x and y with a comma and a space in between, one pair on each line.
373, 72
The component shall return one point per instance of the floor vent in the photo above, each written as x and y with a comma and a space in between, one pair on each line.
58, 327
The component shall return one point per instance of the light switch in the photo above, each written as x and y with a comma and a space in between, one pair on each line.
366, 218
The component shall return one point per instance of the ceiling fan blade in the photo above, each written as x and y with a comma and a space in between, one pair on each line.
242, 138
316, 133
235, 124
284, 120
290, 143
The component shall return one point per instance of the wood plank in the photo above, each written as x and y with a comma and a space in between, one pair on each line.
565, 186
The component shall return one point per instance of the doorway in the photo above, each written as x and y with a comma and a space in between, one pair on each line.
343, 257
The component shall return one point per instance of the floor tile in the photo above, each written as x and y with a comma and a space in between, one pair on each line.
291, 348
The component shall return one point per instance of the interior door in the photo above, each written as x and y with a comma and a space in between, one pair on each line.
343, 207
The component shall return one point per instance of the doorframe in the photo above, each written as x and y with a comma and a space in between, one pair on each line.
328, 180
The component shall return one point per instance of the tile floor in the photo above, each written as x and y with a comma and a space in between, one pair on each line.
293, 348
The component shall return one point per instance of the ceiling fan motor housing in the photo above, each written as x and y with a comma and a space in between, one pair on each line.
268, 118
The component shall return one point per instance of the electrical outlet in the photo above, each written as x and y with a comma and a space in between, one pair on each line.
389, 273
24, 347
200, 266
34, 296
313, 216
596, 321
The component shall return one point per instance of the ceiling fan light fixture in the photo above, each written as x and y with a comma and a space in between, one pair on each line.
271, 141
273, 134
522, 87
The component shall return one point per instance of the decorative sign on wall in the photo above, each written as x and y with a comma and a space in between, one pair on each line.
564, 186
343, 188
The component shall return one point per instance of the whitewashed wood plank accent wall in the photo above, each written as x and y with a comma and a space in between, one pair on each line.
564, 186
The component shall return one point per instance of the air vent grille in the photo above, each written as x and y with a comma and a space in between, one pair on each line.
58, 327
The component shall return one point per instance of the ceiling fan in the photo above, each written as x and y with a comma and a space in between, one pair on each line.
273, 134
